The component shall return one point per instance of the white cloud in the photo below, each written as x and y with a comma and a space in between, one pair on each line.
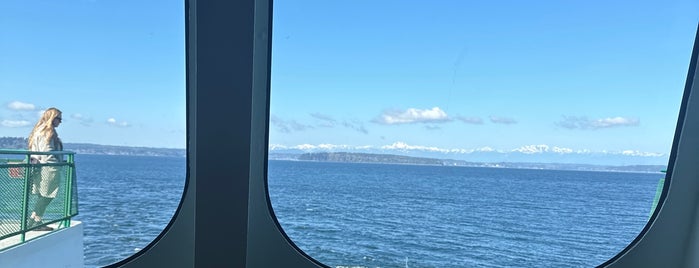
575, 122
412, 116
15, 123
614, 122
502, 120
21, 106
113, 122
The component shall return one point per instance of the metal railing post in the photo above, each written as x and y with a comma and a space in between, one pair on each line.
25, 198
68, 191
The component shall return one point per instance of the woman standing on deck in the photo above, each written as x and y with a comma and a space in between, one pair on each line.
44, 138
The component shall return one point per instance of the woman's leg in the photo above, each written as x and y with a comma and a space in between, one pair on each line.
40, 207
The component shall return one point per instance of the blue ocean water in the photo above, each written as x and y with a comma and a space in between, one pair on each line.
125, 202
376, 215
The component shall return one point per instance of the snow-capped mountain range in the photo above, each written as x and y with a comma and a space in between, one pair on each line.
530, 153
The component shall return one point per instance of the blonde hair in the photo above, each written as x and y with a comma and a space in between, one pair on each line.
45, 127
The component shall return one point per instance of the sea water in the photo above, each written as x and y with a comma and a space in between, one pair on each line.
377, 215
381, 215
124, 202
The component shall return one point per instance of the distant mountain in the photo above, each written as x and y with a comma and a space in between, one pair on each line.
345, 157
369, 158
87, 148
525, 154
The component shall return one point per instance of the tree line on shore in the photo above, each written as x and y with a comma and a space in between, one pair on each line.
17, 143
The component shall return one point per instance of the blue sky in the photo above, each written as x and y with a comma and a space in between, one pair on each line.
117, 72
579, 75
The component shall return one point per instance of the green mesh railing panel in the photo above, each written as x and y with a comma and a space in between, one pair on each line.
658, 193
11, 198
17, 200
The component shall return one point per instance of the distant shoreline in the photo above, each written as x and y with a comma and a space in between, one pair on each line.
344, 157
86, 148
484, 166
97, 149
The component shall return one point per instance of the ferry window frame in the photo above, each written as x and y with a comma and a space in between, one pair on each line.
675, 216
225, 218
220, 45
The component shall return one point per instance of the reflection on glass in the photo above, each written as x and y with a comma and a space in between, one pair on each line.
460, 134
116, 70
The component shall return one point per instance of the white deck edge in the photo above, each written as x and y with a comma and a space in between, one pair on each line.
60, 248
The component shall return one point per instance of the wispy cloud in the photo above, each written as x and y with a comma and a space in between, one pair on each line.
357, 126
21, 106
412, 116
287, 126
502, 120
325, 120
575, 122
15, 123
470, 120
83, 120
113, 122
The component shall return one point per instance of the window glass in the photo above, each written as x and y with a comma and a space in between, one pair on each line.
472, 133
116, 70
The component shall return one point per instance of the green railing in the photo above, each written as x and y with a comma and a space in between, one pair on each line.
17, 200
658, 192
